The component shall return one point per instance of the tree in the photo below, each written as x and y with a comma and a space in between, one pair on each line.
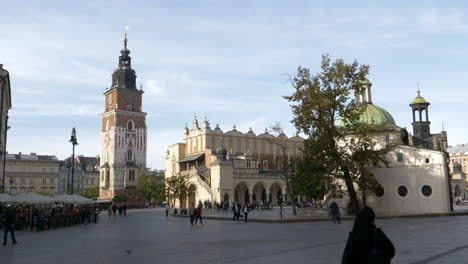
120, 198
285, 165
177, 187
335, 154
91, 192
151, 186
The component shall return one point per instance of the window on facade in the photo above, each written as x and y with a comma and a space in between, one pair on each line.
52, 180
402, 191
131, 175
31, 180
44, 169
426, 190
265, 164
129, 155
14, 180
379, 192
248, 163
129, 107
399, 156
32, 169
15, 169
44, 180
23, 169
52, 169
130, 125
23, 180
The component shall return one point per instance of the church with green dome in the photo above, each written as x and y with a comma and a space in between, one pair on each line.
416, 182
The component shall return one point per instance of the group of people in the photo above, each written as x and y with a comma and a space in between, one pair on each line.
196, 213
113, 208
237, 210
15, 218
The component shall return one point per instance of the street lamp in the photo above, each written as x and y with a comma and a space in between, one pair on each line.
11, 182
74, 142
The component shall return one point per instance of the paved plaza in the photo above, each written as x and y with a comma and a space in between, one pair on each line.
150, 237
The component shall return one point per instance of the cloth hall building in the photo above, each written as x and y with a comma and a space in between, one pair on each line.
231, 166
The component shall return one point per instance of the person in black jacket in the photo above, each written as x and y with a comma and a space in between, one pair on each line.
367, 244
9, 221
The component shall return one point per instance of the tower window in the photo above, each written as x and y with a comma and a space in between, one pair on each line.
131, 175
129, 107
130, 125
129, 155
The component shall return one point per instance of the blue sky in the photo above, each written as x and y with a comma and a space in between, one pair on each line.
221, 59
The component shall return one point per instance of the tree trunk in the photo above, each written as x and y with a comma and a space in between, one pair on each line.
351, 191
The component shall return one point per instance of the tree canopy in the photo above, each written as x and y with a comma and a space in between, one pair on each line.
333, 154
152, 186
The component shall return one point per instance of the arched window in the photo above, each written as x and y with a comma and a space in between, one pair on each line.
107, 125
129, 155
130, 125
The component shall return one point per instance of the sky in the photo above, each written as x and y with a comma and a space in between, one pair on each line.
224, 60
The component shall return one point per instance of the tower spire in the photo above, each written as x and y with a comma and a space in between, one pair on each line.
125, 40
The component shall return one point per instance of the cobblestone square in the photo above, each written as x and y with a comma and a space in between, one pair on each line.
150, 237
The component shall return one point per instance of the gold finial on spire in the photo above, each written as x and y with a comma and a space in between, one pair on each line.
419, 92
125, 38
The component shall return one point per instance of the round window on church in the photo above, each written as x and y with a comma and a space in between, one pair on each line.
379, 192
402, 191
426, 190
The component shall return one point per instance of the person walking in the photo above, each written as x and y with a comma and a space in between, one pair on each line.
167, 209
9, 221
367, 243
96, 213
86, 215
245, 210
334, 212
192, 214
124, 208
109, 211
235, 211
198, 214
114, 209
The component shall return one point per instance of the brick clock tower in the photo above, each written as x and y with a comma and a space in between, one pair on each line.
123, 133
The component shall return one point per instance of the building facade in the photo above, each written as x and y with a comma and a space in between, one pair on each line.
123, 132
417, 178
5, 105
86, 174
232, 166
32, 173
458, 154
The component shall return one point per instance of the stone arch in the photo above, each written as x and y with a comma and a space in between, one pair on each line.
259, 192
192, 191
241, 193
276, 193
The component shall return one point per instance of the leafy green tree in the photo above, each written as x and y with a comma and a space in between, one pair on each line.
91, 192
152, 186
335, 154
120, 198
177, 188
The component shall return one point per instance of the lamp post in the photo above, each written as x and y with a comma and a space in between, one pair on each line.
74, 143
11, 182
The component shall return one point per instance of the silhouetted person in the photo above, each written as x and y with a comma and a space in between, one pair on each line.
114, 209
9, 221
367, 244
198, 214
124, 208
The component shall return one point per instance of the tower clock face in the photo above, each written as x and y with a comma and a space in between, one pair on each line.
109, 99
129, 98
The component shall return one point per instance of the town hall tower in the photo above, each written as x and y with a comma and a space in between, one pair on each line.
123, 132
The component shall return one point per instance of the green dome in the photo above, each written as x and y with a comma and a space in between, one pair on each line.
374, 115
